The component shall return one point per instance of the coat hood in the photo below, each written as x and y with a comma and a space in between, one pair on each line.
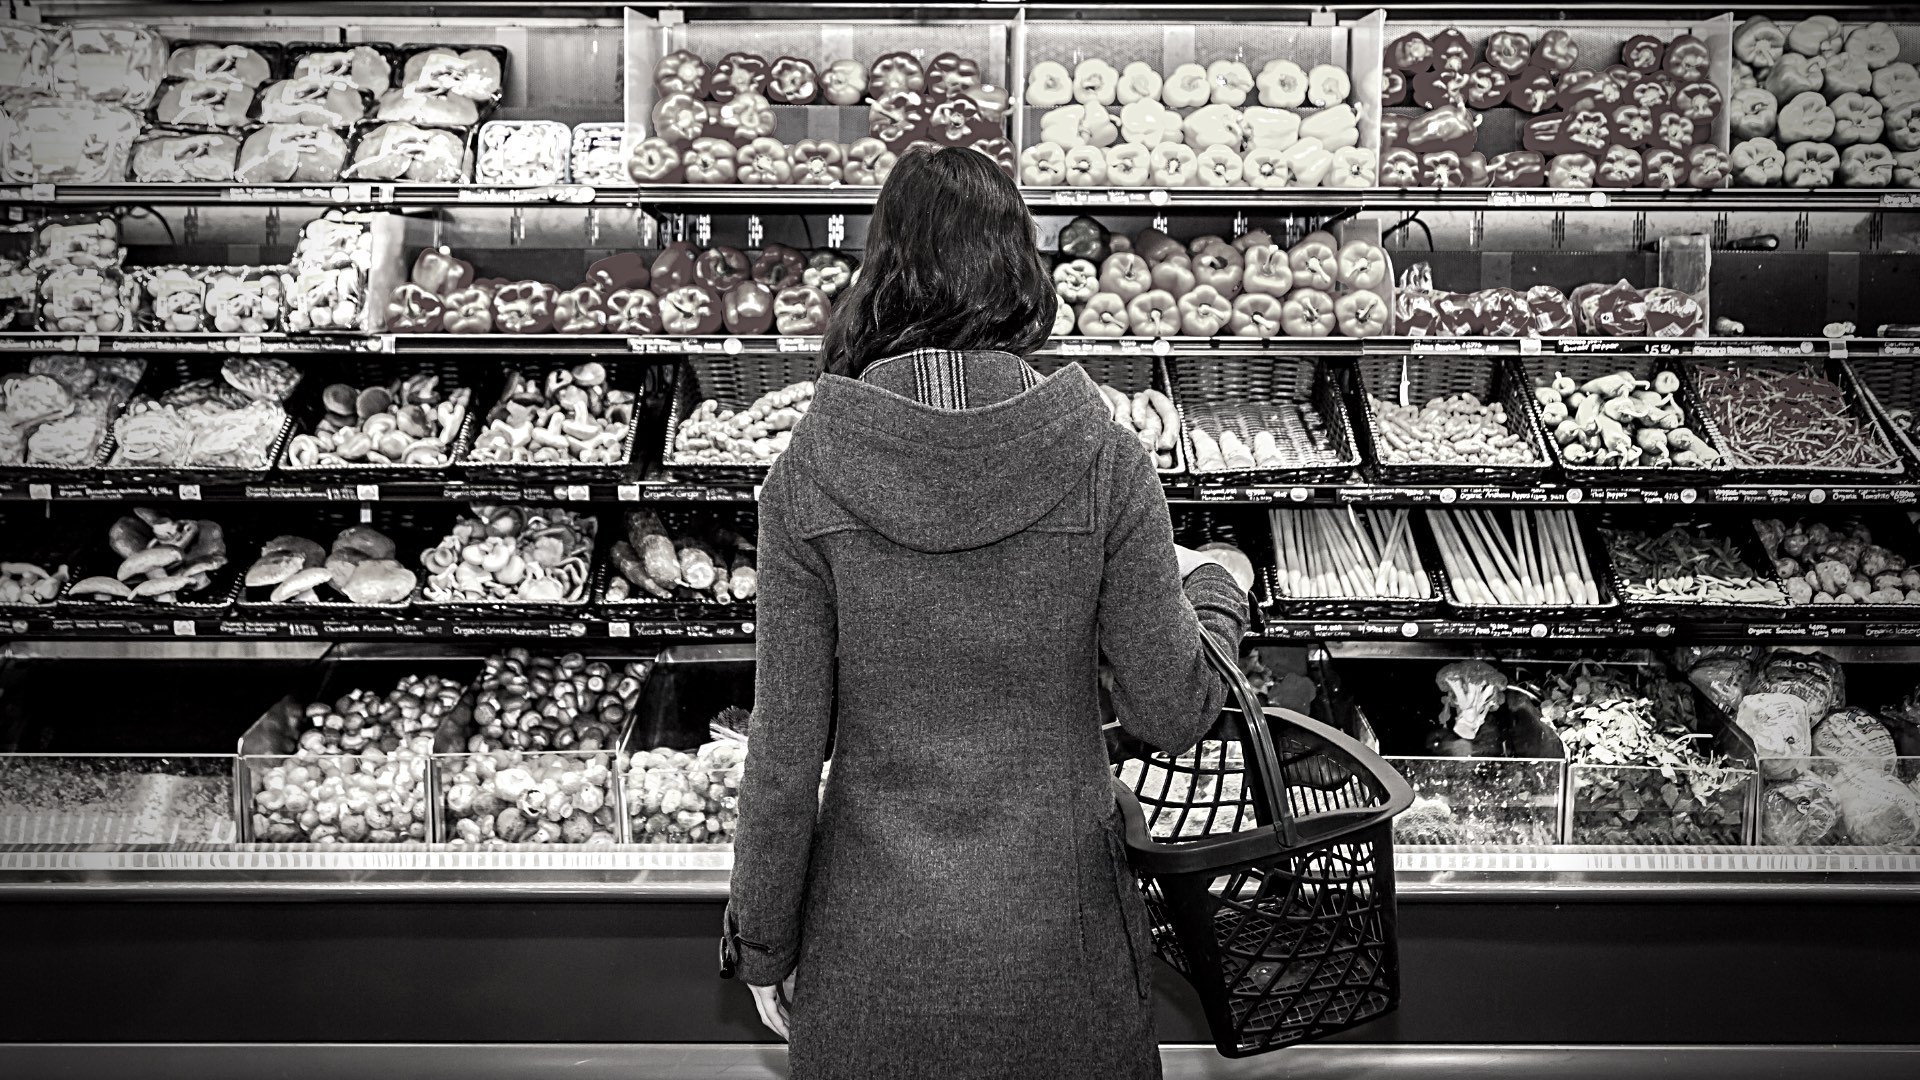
938, 480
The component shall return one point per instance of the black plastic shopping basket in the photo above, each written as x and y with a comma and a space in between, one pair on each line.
1266, 855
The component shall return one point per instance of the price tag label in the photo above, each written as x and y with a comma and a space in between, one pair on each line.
367, 492
359, 193
1158, 197
756, 493
619, 629
1837, 348
40, 193
627, 492
189, 492
366, 514
87, 343
248, 343
797, 344
1162, 347
40, 492
1529, 346
383, 344
185, 628
1905, 200
574, 493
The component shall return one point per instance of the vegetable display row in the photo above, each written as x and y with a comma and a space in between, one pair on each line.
1813, 103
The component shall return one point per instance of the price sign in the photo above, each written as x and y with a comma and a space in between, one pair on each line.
627, 493
185, 628
189, 492
367, 492
619, 629
40, 492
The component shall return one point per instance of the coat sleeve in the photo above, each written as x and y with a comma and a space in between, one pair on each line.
1163, 689
793, 696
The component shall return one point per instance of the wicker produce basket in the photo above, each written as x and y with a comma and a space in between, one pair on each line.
1251, 394
1410, 381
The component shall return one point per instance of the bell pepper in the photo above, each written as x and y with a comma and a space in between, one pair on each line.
672, 268
1816, 35
1281, 84
1794, 74
1643, 52
1451, 52
763, 161
1139, 81
1186, 87
1204, 312
829, 271
1672, 131
999, 150
1173, 165
1533, 90
1104, 316
524, 307
951, 75
1486, 87
1361, 265
1305, 164
747, 117
437, 271
1807, 118
1856, 119
1086, 167
1335, 127
655, 161
957, 122
679, 119
1846, 74
709, 161
1759, 42
1174, 275
747, 308
1896, 84
1665, 169
1075, 281
1445, 169
632, 312
1753, 113
1148, 123
1708, 167
1743, 77
1571, 171
843, 82
737, 73
580, 310
1219, 267
1556, 51
1759, 162
1586, 132
898, 119
1128, 165
1448, 128
779, 267
1620, 311
1632, 124
1873, 44
1041, 165
690, 309
792, 81
1308, 313
1315, 262
623, 270
1811, 166
1868, 165
1264, 268
1154, 313
1509, 51
1125, 275
1229, 82
1687, 59
1903, 125
721, 268
1699, 102
1257, 315
1583, 89
1353, 167
467, 311
1394, 88
1411, 53
816, 163
414, 309
1473, 169
893, 73
680, 72
868, 163
1502, 312
1906, 169
1545, 134
1399, 168
1084, 238
1213, 125
1517, 169
1433, 89
1549, 314
1361, 314
1063, 318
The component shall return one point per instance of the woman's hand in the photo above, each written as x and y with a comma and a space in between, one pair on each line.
772, 1001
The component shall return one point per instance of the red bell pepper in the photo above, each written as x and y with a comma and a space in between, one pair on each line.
673, 267
1509, 51
1666, 168
1399, 168
721, 268
524, 307
1533, 90
898, 119
1643, 52
690, 309
580, 310
1556, 51
633, 312
829, 271
1411, 53
414, 309
748, 308
1517, 169
1621, 167
779, 267
737, 73
623, 270
800, 310
893, 73
1486, 87
1708, 167
679, 119
762, 161
437, 271
1687, 59
792, 81
1571, 171
950, 75
743, 119
655, 161
1000, 150
1451, 52
680, 72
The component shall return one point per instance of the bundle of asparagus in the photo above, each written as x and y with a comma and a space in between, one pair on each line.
1348, 554
1535, 559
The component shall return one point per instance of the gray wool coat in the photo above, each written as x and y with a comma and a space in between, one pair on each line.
937, 588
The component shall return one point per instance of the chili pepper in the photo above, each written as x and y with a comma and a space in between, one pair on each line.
1786, 418
779, 267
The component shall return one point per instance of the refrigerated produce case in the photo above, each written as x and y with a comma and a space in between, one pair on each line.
378, 561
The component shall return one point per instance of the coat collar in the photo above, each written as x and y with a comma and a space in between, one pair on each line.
950, 379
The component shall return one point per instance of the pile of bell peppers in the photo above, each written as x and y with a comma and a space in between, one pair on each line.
1818, 104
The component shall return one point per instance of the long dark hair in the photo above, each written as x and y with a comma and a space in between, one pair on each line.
950, 264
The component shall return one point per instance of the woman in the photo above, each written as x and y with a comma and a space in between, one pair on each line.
948, 548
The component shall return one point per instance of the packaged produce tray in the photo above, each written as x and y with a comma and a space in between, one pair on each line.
1582, 369
123, 800
672, 745
1859, 407
164, 374
1891, 530
1890, 386
98, 459
1410, 381
410, 527
1730, 532
622, 374
1596, 563
734, 382
1279, 603
309, 408
97, 558
1129, 375
1248, 394
679, 521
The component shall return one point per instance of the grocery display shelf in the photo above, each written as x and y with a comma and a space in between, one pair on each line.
798, 197
321, 345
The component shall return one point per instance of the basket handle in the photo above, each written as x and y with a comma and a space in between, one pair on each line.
1269, 789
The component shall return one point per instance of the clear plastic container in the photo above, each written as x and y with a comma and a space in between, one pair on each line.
1640, 805
1481, 800
71, 799
507, 797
